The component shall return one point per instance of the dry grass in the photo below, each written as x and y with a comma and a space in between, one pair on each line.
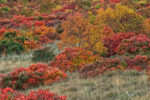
128, 85
14, 61
115, 85
10, 62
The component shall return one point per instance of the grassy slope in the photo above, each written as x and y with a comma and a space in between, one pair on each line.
9, 62
128, 85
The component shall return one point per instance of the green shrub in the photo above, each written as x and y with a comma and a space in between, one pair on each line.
43, 55
84, 4
4, 9
46, 6
2, 1
98, 6
9, 47
10, 35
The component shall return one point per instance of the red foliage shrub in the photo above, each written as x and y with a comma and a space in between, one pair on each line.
138, 63
39, 23
10, 94
112, 42
44, 95
115, 1
139, 44
2, 30
73, 58
34, 75
18, 18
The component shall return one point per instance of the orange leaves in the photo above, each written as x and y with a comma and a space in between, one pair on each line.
30, 44
72, 59
79, 32
147, 26
2, 30
43, 30
121, 67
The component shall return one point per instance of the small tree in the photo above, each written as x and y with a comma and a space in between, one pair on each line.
79, 32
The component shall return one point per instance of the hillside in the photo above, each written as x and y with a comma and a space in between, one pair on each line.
74, 49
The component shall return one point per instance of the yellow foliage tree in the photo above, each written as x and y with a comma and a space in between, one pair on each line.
79, 32
121, 19
147, 26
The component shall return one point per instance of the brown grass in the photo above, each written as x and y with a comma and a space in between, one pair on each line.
115, 85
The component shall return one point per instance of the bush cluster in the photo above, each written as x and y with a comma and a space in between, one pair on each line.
10, 94
72, 59
138, 63
34, 75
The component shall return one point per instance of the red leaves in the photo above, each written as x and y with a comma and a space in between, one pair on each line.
2, 30
73, 58
115, 1
138, 63
10, 94
36, 74
44, 95
39, 23
135, 45
112, 42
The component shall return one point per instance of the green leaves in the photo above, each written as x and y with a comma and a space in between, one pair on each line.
43, 55
3, 1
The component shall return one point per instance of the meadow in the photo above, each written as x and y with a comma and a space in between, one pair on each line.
74, 49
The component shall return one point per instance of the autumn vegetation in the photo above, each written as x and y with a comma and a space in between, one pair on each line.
63, 38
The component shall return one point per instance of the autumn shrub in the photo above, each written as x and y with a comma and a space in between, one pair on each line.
34, 75
10, 94
43, 55
44, 31
147, 26
139, 44
39, 23
114, 1
30, 45
2, 30
145, 12
113, 41
79, 32
72, 59
138, 63
44, 95
121, 19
